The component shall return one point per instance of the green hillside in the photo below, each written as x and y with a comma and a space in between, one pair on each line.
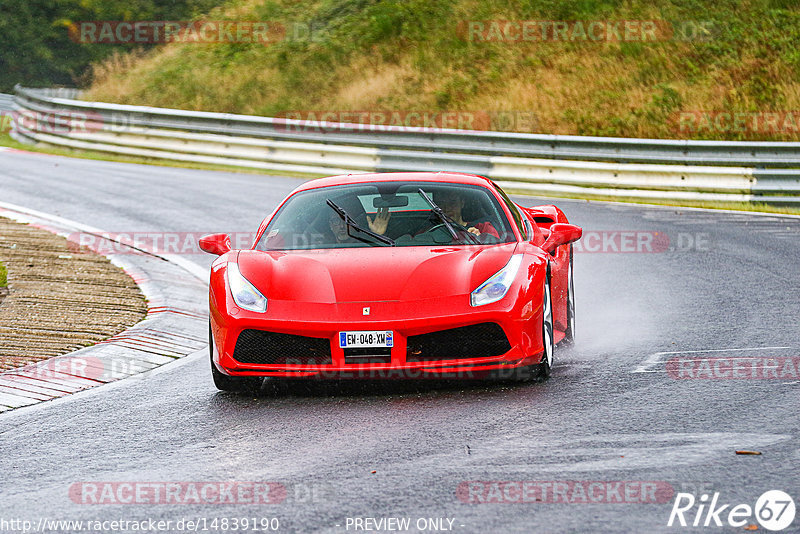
726, 57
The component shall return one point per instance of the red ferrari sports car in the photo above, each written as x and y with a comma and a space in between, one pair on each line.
393, 275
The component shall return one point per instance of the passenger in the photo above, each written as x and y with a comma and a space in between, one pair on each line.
380, 222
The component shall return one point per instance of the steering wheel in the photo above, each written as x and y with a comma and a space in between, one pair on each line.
457, 227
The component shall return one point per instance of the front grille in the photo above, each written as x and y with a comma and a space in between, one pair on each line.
474, 341
259, 346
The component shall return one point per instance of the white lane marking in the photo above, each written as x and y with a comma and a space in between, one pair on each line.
195, 270
655, 362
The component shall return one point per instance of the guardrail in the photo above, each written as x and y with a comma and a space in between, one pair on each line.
544, 164
6, 102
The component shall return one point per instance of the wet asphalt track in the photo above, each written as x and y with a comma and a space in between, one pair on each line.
402, 449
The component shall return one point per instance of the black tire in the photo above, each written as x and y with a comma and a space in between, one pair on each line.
541, 371
569, 336
236, 384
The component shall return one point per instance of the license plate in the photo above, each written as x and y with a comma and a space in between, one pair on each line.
366, 338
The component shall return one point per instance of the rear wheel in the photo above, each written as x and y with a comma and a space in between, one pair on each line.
237, 384
569, 335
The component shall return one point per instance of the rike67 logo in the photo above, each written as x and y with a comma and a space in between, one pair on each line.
774, 510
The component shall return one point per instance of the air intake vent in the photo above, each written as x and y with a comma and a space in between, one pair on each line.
474, 341
259, 346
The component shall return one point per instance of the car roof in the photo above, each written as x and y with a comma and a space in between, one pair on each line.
447, 177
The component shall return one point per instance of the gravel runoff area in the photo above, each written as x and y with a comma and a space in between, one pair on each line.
59, 299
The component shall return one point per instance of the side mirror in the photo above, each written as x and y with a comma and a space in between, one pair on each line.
561, 234
217, 244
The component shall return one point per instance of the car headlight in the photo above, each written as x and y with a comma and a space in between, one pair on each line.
497, 285
244, 293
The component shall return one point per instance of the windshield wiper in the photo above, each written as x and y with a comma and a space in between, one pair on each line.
448, 222
350, 223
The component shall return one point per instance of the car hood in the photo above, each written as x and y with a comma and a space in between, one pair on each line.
372, 274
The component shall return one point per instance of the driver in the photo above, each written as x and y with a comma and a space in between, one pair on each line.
452, 205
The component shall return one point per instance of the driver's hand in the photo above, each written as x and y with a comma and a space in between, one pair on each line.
379, 223
473, 230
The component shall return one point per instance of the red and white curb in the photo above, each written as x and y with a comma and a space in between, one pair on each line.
17, 150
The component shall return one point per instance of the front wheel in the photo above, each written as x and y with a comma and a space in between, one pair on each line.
541, 371
236, 384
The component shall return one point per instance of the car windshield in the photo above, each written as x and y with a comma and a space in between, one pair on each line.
388, 214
